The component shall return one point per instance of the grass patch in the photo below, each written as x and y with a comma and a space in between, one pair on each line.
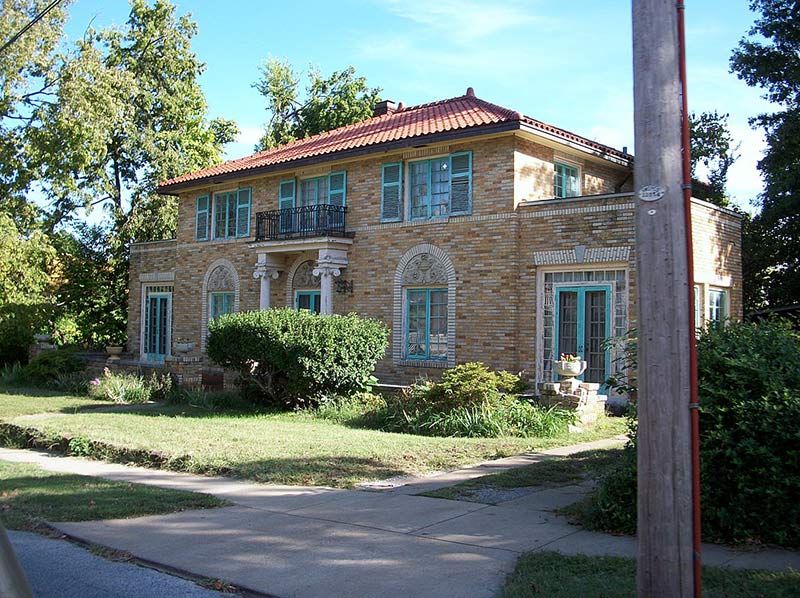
558, 576
280, 448
31, 495
28, 401
552, 471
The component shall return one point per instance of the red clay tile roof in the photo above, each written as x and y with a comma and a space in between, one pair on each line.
461, 113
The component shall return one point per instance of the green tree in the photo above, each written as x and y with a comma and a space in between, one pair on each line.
28, 80
335, 101
26, 263
769, 57
129, 112
712, 146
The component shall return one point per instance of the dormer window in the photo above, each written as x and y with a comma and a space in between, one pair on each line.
566, 181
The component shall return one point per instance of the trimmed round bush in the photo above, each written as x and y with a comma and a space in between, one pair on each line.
50, 366
294, 358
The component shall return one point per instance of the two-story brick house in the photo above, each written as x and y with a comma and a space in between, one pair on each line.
474, 232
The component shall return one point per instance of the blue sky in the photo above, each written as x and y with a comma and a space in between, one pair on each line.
566, 63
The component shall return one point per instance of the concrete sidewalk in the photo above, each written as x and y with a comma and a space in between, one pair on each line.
308, 542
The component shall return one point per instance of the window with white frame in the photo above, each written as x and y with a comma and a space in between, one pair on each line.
698, 306
566, 181
717, 306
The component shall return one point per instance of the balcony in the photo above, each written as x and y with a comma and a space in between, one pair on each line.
324, 220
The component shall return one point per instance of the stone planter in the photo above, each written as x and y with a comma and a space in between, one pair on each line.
569, 369
42, 338
114, 351
184, 347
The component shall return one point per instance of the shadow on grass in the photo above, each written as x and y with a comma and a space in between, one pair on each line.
40, 496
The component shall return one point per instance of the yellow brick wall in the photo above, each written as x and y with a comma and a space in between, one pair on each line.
492, 250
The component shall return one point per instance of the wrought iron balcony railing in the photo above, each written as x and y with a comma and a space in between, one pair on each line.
324, 220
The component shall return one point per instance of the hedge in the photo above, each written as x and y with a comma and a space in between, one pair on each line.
294, 357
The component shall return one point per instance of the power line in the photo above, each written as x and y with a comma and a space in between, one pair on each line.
33, 22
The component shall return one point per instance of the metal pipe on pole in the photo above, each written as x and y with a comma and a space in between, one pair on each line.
664, 518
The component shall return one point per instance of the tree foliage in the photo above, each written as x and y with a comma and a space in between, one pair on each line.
129, 113
712, 147
335, 101
769, 57
28, 79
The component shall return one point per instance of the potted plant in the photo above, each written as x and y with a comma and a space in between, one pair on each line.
183, 345
116, 343
569, 366
42, 337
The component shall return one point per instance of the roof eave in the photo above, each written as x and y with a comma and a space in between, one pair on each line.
343, 154
606, 153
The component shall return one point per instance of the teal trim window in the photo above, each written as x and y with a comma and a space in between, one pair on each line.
440, 187
323, 190
426, 328
717, 306
201, 218
221, 303
232, 214
565, 181
310, 300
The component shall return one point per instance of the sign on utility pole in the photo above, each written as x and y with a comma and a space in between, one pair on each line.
665, 563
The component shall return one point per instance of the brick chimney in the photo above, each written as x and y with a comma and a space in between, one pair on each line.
384, 107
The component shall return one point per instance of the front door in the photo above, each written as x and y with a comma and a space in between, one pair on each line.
309, 300
157, 324
583, 322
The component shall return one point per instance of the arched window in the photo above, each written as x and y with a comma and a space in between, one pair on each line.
424, 308
220, 294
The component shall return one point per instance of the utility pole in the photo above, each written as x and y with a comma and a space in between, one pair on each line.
665, 558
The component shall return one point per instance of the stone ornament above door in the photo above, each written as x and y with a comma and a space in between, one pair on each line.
424, 269
582, 255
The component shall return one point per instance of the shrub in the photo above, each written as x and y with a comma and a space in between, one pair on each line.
49, 366
471, 401
293, 358
120, 388
17, 325
749, 391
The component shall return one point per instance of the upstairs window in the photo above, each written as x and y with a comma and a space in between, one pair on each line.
323, 190
565, 181
438, 187
232, 214
201, 218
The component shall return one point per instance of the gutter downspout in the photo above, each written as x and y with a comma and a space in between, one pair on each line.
694, 404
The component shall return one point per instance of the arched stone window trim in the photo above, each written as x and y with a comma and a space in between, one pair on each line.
227, 269
399, 315
291, 287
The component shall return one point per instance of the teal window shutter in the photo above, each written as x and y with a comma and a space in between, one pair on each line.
243, 213
337, 184
286, 194
201, 219
461, 183
391, 192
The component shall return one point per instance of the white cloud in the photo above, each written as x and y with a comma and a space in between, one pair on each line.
464, 21
744, 178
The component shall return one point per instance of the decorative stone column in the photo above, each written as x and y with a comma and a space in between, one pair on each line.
329, 264
267, 270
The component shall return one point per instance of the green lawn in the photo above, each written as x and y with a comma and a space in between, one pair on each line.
283, 448
558, 576
548, 472
24, 401
30, 494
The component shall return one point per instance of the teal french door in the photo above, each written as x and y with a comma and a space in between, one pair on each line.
583, 322
157, 324
309, 300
